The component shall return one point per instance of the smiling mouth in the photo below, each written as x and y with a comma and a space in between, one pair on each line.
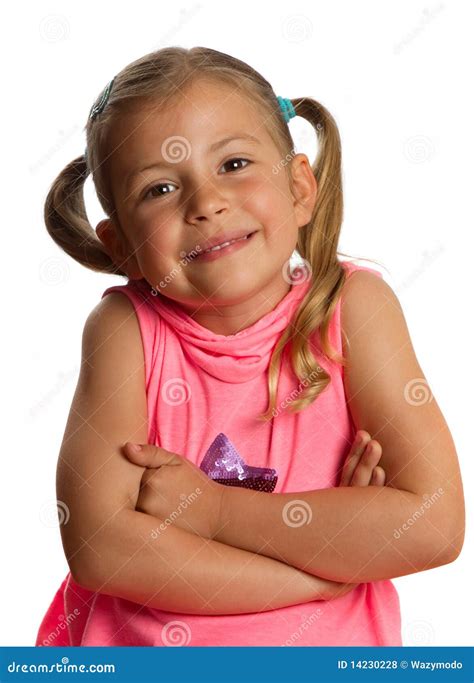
193, 255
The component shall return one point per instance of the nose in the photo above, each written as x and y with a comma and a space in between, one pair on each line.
204, 203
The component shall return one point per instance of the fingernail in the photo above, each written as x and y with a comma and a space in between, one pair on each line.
135, 447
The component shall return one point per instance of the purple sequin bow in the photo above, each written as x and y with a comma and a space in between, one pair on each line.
223, 463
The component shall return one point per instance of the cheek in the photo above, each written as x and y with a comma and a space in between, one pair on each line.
158, 237
272, 210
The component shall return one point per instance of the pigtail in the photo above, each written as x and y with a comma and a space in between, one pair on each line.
67, 223
317, 245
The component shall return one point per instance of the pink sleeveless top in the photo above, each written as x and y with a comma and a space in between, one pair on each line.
227, 379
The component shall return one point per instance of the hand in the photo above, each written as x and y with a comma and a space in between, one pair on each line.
176, 491
360, 469
361, 466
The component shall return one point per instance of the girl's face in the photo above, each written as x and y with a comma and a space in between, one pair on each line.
193, 172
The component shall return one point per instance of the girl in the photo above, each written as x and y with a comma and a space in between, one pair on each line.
240, 521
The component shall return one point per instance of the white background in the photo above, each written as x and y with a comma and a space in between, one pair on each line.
397, 77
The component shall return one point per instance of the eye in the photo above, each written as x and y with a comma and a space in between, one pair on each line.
162, 185
231, 161
154, 187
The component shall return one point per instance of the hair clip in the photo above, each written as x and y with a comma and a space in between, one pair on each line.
98, 107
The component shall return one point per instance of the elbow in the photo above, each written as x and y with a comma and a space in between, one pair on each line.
456, 544
455, 537
86, 575
449, 544
84, 579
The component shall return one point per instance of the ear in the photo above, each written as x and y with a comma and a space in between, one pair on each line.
305, 188
119, 251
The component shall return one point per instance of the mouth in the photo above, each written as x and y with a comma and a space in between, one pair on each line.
221, 249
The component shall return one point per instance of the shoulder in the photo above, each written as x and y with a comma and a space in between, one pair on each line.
375, 339
366, 299
112, 331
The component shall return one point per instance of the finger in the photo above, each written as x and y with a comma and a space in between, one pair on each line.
366, 464
378, 477
353, 457
149, 455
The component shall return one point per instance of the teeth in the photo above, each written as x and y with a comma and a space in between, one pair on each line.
224, 244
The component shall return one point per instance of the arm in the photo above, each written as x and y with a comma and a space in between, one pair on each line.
182, 572
414, 523
107, 543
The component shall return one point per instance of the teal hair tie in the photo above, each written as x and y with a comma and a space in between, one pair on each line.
286, 107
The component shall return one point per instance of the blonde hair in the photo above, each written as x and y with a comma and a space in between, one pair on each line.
154, 79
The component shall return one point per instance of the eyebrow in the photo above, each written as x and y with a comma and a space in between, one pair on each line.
215, 146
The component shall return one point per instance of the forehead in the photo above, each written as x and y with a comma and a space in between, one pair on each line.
202, 113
